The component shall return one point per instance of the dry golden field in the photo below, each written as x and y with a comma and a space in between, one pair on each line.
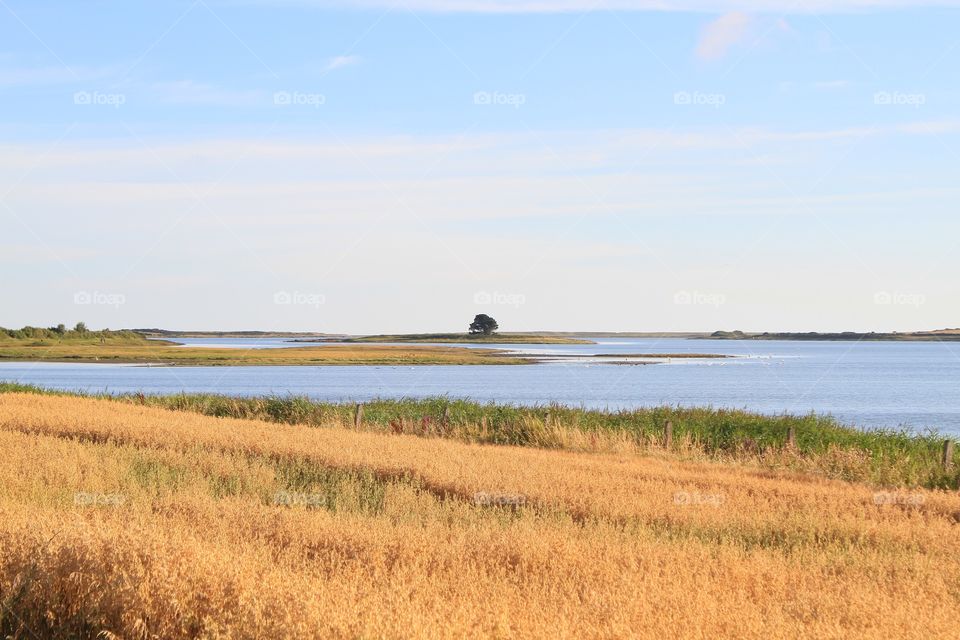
118, 520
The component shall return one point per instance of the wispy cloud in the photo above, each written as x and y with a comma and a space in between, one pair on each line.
11, 76
828, 85
341, 61
719, 36
198, 93
792, 86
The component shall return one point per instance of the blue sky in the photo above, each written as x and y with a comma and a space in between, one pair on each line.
390, 166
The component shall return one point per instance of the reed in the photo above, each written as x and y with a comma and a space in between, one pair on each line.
883, 457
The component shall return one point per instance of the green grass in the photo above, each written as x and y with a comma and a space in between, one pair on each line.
888, 457
35, 336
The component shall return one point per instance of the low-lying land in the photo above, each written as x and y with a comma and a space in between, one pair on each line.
678, 356
130, 347
942, 335
121, 520
167, 333
327, 355
497, 338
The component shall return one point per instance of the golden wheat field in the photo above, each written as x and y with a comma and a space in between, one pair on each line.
128, 521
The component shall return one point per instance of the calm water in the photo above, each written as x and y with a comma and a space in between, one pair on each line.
867, 383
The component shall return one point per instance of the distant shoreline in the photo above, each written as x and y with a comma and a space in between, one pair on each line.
567, 337
462, 338
947, 335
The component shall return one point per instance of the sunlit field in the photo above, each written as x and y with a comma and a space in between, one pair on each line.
125, 520
31, 344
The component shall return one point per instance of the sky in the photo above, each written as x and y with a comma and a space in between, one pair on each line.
384, 166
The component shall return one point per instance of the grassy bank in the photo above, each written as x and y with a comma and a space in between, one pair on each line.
822, 445
78, 336
498, 338
119, 520
140, 351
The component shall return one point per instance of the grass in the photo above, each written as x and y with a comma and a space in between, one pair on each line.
35, 336
120, 520
498, 338
136, 349
883, 457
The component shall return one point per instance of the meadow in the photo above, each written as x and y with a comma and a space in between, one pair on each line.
134, 521
821, 445
31, 344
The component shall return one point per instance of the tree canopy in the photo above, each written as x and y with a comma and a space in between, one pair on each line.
483, 324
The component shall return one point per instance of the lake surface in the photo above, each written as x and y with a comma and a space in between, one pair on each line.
868, 384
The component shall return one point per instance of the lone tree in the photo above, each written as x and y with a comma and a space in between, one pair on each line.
482, 323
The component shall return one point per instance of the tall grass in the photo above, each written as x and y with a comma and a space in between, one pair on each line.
41, 336
889, 457
193, 526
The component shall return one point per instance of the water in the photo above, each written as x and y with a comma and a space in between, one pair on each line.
868, 384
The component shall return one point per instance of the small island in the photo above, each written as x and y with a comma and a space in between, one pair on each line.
482, 329
80, 344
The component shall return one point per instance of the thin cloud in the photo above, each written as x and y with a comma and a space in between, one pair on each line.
197, 93
719, 36
338, 62
52, 75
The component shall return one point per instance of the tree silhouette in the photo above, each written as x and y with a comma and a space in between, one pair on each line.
483, 324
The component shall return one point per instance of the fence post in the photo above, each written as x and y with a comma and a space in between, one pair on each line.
792, 437
446, 414
947, 454
546, 420
483, 426
668, 435
358, 416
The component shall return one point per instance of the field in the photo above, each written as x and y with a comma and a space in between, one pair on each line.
126, 520
890, 458
126, 347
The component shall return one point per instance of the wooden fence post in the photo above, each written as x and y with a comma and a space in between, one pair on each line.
358, 416
792, 437
947, 454
483, 426
446, 414
668, 435
546, 420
